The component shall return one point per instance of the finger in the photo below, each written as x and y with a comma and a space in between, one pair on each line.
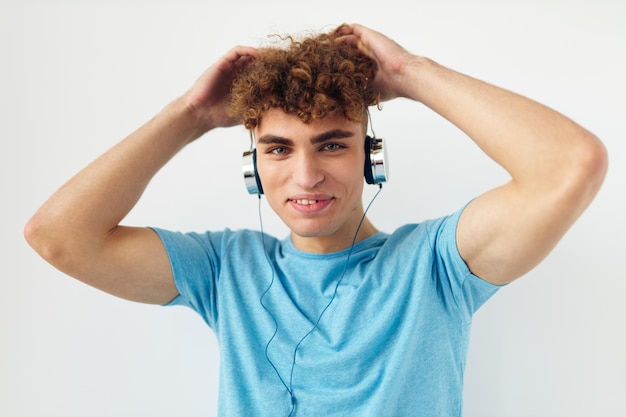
357, 36
240, 54
355, 29
239, 51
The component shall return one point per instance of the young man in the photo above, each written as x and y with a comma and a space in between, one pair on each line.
338, 318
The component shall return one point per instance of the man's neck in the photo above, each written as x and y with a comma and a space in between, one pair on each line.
337, 242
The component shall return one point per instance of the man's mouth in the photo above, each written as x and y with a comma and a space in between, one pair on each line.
310, 205
306, 202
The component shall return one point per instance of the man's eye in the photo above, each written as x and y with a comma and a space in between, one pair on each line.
278, 151
332, 147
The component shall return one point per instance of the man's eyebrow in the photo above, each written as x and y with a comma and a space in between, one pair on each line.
331, 134
271, 139
274, 140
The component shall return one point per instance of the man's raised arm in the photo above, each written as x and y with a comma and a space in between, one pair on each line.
556, 166
77, 230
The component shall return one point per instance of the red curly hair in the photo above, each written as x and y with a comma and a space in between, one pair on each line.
310, 78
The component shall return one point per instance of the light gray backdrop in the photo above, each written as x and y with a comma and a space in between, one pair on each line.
76, 77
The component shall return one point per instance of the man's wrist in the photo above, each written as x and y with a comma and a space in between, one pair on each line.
187, 119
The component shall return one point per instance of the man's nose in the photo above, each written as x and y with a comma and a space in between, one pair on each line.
307, 171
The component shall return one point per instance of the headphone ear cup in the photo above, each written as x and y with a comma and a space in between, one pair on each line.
250, 174
376, 169
369, 178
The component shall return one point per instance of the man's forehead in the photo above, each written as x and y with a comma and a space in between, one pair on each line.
277, 121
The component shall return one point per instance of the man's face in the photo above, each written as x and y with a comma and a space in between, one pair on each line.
312, 176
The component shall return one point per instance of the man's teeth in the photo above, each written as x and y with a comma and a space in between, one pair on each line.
306, 202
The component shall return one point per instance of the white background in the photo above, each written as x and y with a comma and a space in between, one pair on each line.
76, 77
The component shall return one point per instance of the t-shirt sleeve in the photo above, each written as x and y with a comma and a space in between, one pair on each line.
195, 262
469, 291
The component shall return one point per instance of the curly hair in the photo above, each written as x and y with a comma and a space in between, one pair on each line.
310, 78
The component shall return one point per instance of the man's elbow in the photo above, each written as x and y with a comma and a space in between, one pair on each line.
593, 163
46, 242
588, 168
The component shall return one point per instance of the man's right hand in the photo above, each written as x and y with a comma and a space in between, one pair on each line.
208, 98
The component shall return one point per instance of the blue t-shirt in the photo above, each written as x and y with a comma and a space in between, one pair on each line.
392, 340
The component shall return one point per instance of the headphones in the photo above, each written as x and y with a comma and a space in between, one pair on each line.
376, 169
